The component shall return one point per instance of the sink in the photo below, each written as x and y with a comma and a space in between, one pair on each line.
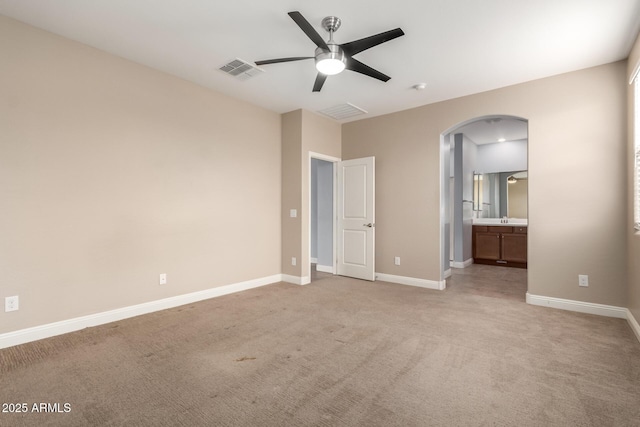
500, 221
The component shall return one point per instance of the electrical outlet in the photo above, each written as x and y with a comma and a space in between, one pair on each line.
583, 280
397, 260
11, 303
293, 261
163, 279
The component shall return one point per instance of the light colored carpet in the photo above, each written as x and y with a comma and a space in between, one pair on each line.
339, 352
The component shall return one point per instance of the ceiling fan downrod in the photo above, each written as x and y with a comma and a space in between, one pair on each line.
332, 61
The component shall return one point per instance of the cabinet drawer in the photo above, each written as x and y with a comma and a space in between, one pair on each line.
481, 228
520, 230
500, 229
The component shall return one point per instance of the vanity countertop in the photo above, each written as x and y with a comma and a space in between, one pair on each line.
500, 221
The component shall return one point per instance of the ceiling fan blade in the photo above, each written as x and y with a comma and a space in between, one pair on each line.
308, 29
320, 79
278, 60
359, 67
357, 46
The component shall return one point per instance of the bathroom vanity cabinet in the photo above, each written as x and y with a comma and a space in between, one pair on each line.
504, 245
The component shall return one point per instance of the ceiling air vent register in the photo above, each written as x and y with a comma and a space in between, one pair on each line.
342, 111
240, 69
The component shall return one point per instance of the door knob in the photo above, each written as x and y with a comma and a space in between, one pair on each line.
368, 225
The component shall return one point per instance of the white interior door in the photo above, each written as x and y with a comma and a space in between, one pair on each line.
356, 218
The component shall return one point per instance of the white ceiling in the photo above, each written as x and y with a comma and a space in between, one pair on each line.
490, 130
457, 47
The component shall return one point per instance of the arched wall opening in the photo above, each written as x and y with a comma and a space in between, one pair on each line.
492, 147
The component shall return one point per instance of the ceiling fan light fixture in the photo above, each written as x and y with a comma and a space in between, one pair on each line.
330, 66
330, 62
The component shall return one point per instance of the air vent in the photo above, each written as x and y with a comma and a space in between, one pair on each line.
240, 69
342, 111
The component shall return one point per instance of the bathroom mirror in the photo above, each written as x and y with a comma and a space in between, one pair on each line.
500, 194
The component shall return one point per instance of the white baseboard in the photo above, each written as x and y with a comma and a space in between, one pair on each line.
587, 307
296, 280
635, 327
579, 306
447, 273
412, 281
314, 260
22, 336
464, 264
324, 268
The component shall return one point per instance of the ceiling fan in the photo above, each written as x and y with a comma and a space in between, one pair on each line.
332, 58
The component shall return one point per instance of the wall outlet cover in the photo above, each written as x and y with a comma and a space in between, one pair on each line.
11, 303
583, 280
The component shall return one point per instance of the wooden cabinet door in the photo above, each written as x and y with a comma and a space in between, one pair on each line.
514, 247
487, 246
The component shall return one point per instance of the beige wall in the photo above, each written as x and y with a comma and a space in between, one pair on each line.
303, 132
291, 192
633, 238
577, 180
111, 173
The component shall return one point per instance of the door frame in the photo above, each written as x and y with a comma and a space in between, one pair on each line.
334, 161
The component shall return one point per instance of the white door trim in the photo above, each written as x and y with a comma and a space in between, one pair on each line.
334, 160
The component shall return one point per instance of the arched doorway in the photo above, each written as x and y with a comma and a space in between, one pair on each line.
476, 155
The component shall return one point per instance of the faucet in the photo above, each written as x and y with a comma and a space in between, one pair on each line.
504, 220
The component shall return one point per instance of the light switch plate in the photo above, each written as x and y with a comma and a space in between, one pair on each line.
293, 213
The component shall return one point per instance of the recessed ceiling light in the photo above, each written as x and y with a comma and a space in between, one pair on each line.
501, 140
420, 86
